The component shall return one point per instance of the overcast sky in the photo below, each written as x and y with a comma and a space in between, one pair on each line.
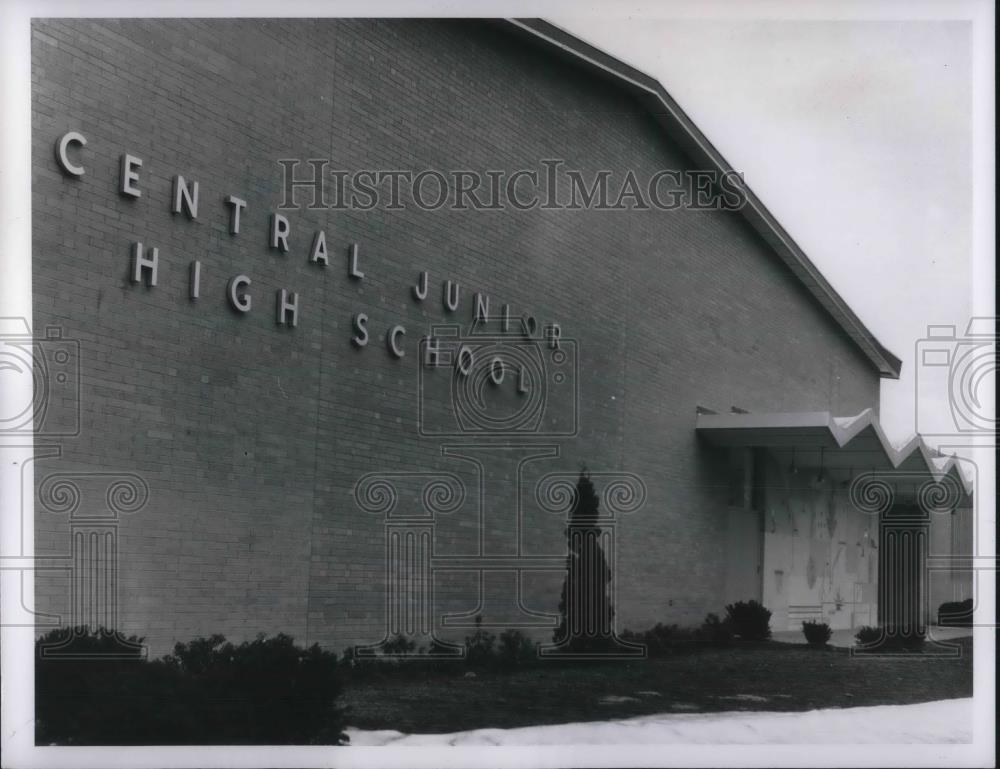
856, 135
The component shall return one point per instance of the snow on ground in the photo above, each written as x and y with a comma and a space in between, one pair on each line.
927, 722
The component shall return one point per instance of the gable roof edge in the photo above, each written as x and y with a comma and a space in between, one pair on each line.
669, 114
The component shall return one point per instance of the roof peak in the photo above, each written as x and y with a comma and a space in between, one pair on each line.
696, 145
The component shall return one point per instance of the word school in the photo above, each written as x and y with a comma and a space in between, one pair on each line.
185, 195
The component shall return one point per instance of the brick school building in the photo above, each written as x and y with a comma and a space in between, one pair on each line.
294, 401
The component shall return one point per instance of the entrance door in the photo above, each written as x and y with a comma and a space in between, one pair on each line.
744, 551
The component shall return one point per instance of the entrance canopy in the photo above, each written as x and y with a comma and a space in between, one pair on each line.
842, 446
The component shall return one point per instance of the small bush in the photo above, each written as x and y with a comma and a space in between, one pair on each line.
209, 691
439, 649
715, 632
913, 642
399, 645
479, 647
662, 640
956, 613
656, 639
868, 635
749, 620
899, 641
360, 659
887, 640
817, 633
516, 649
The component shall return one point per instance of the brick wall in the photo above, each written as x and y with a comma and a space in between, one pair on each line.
252, 437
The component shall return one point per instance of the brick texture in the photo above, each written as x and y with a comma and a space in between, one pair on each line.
252, 437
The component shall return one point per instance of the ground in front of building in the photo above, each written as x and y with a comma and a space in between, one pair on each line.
769, 677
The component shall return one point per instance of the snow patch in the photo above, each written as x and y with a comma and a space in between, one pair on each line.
744, 697
944, 721
615, 699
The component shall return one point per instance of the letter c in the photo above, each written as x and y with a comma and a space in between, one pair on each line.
392, 338
73, 137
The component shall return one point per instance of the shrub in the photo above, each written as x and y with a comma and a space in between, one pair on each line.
85, 696
714, 631
886, 640
817, 633
660, 637
399, 645
661, 640
440, 649
516, 649
209, 691
956, 613
913, 642
81, 643
266, 691
749, 620
479, 649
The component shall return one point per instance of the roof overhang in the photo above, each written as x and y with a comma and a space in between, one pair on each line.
816, 439
694, 143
